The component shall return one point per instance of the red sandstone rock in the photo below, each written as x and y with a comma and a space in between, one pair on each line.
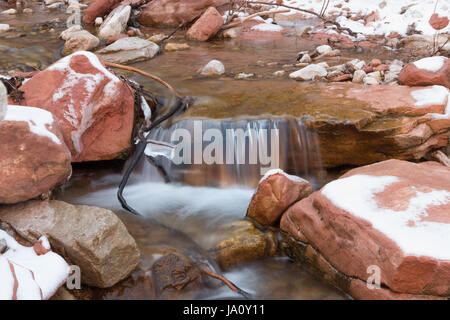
115, 38
33, 156
93, 107
375, 63
385, 216
275, 193
382, 67
438, 22
343, 77
174, 12
425, 73
99, 8
207, 26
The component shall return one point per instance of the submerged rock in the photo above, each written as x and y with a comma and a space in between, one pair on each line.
116, 22
171, 46
93, 107
92, 238
33, 156
172, 13
206, 26
378, 217
128, 50
212, 68
275, 193
426, 72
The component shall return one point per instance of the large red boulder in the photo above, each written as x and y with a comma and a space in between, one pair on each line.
172, 13
206, 26
275, 193
93, 107
392, 216
99, 8
426, 72
33, 156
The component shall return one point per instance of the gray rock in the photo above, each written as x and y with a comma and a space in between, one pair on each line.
358, 76
92, 238
324, 49
212, 68
309, 73
80, 41
306, 58
128, 50
66, 34
115, 23
3, 101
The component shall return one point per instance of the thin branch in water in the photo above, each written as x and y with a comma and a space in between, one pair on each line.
262, 13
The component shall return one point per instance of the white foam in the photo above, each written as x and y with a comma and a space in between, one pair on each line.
356, 195
38, 120
35, 274
432, 64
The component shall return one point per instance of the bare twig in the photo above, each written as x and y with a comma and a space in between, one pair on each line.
145, 74
262, 13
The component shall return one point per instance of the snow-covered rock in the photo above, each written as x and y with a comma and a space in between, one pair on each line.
33, 155
309, 73
380, 216
116, 22
212, 68
30, 273
93, 107
427, 71
129, 49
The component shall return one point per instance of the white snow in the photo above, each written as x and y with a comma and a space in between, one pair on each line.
356, 195
432, 64
65, 94
38, 276
434, 95
394, 15
145, 108
279, 171
38, 120
267, 27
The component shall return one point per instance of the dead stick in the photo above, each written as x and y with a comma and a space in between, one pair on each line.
145, 74
234, 24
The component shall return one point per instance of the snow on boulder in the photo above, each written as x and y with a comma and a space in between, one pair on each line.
381, 216
3, 101
30, 273
276, 191
93, 107
426, 72
33, 156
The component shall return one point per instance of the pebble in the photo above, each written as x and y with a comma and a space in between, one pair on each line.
376, 75
212, 68
171, 46
4, 27
324, 49
375, 63
28, 10
311, 72
98, 21
306, 58
279, 73
231, 33
242, 76
370, 80
358, 76
156, 37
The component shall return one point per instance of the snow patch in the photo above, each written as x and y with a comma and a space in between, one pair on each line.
38, 276
434, 95
432, 64
38, 120
279, 171
266, 27
356, 195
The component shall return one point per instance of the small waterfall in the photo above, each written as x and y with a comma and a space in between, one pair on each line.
227, 152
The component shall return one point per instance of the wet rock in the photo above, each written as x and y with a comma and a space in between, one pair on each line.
358, 76
206, 26
275, 193
241, 242
4, 27
98, 21
372, 217
231, 33
33, 156
98, 8
174, 12
376, 75
66, 34
171, 46
279, 73
212, 68
243, 76
382, 68
306, 58
156, 38
92, 238
310, 72
375, 62
115, 23
80, 41
427, 71
93, 107
343, 77
390, 77
370, 80
128, 50
324, 49
115, 38
396, 66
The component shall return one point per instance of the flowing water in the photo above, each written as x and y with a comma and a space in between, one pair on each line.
202, 197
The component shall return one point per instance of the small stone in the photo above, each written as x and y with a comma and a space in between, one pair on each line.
231, 33
339, 67
306, 58
66, 34
131, 33
375, 63
212, 68
309, 73
157, 37
390, 76
3, 246
9, 11
376, 75
323, 64
370, 80
80, 41
98, 21
396, 66
343, 77
358, 76
367, 69
4, 27
382, 67
279, 73
324, 49
28, 10
171, 46
127, 50
243, 76
359, 65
